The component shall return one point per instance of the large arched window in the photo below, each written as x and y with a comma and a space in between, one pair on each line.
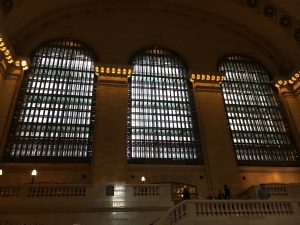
55, 109
259, 130
161, 120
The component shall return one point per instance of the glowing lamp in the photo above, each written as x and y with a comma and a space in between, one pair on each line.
33, 173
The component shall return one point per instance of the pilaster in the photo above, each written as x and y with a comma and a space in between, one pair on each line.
109, 160
215, 136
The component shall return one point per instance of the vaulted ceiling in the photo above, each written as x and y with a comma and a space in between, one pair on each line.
200, 31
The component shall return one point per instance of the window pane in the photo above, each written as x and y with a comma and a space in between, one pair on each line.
259, 130
55, 109
161, 125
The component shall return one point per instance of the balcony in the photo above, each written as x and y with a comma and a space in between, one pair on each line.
145, 204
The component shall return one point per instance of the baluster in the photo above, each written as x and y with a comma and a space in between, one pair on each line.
289, 208
272, 208
266, 208
212, 210
197, 208
222, 209
207, 208
242, 212
216, 206
237, 208
231, 208
247, 209
285, 191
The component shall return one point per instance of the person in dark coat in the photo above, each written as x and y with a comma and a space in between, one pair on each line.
186, 193
227, 192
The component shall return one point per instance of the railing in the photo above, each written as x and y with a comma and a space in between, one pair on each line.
9, 192
145, 191
16, 222
84, 196
199, 209
56, 191
277, 191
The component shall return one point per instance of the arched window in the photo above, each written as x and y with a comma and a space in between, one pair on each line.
259, 130
55, 109
161, 120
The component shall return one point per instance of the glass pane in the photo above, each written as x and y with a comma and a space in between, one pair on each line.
259, 129
161, 124
55, 109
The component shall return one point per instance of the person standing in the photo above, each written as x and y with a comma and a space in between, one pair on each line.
263, 192
186, 193
227, 192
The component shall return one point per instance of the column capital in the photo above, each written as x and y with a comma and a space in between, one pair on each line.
113, 73
207, 82
11, 65
290, 85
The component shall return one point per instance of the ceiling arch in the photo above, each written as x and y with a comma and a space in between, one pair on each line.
54, 19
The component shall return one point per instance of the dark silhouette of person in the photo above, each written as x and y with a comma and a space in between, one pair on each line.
263, 192
227, 192
186, 193
221, 195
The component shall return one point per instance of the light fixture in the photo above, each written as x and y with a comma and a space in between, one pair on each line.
23, 63
33, 174
1, 172
143, 179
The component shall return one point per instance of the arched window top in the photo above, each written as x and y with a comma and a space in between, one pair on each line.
256, 72
65, 43
161, 58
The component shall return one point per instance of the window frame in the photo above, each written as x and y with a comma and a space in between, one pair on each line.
260, 159
72, 79
170, 159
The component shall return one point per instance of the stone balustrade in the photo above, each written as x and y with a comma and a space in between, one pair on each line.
52, 197
8, 192
201, 209
16, 222
275, 190
56, 191
146, 191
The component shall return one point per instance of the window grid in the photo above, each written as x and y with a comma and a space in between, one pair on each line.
161, 126
55, 110
258, 127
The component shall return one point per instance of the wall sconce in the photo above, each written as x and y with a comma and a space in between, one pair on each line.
143, 179
33, 174
1, 172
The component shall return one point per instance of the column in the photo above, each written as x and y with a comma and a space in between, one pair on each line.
10, 81
290, 98
217, 147
109, 161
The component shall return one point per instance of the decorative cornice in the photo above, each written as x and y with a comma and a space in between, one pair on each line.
113, 74
210, 78
9, 62
292, 82
113, 70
